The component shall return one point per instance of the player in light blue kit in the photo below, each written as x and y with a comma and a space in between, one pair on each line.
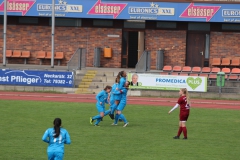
102, 98
121, 79
113, 106
56, 137
122, 105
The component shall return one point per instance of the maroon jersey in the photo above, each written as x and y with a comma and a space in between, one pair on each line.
184, 106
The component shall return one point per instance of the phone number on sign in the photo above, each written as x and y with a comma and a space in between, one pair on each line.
61, 81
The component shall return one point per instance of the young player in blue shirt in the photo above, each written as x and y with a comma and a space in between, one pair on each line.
122, 105
112, 100
120, 80
102, 98
56, 137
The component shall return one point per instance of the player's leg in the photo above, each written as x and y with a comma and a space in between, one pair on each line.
99, 116
179, 130
120, 108
99, 119
184, 128
50, 155
59, 156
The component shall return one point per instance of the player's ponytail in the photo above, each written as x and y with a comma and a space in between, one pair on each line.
57, 123
185, 91
119, 77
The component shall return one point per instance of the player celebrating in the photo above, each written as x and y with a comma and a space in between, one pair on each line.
122, 105
56, 137
184, 103
112, 99
102, 98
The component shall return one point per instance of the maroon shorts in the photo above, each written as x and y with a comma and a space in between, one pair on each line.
183, 116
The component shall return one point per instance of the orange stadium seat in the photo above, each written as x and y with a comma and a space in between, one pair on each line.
225, 62
205, 72
186, 69
25, 55
8, 53
174, 73
183, 74
216, 62
41, 55
16, 54
213, 74
166, 70
235, 73
177, 69
193, 74
49, 55
59, 56
196, 69
235, 62
226, 71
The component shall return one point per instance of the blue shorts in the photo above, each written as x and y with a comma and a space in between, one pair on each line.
118, 97
55, 155
121, 106
100, 108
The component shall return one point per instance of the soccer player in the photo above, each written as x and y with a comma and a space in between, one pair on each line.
122, 105
184, 103
121, 79
112, 100
102, 98
56, 137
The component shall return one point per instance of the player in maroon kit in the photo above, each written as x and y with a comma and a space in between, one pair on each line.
184, 103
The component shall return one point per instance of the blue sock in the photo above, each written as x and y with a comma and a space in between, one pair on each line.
116, 119
123, 118
107, 112
98, 121
96, 117
113, 107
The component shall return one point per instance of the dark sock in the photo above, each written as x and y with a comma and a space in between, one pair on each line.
184, 131
179, 131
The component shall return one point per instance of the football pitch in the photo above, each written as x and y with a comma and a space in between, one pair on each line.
213, 134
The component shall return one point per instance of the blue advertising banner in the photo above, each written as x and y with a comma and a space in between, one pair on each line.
167, 11
36, 78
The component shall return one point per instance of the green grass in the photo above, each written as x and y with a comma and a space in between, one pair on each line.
213, 134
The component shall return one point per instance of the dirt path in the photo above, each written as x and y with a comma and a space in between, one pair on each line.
89, 98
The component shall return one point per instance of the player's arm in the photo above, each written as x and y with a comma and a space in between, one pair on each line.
99, 95
176, 106
45, 137
68, 140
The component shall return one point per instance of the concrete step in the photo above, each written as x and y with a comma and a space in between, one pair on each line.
83, 86
86, 80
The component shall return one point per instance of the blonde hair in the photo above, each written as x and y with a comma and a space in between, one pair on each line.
185, 91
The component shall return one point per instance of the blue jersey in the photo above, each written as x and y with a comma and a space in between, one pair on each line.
122, 92
56, 144
122, 82
102, 97
112, 97
120, 86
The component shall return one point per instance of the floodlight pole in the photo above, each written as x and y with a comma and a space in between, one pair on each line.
4, 32
53, 27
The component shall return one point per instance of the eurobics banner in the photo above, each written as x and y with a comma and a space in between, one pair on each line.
127, 10
167, 82
36, 78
